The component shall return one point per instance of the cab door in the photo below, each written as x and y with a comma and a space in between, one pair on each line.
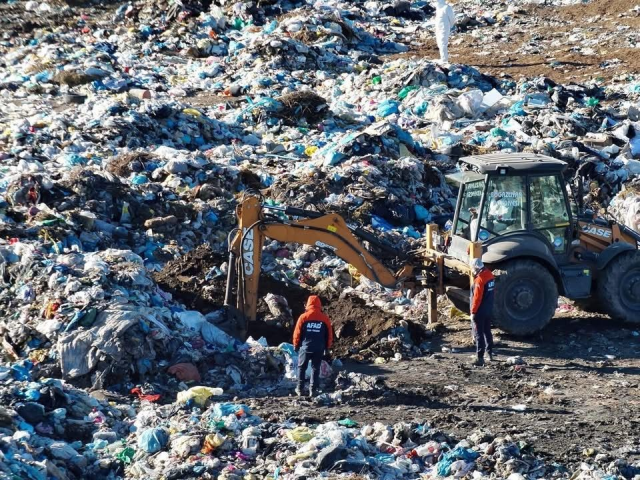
550, 214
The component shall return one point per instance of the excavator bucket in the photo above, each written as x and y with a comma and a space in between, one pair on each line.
236, 323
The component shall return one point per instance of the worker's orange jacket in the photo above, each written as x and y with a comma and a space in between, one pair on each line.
313, 329
482, 295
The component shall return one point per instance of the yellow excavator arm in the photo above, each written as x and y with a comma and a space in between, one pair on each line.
328, 231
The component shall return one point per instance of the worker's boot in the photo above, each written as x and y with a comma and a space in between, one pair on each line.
299, 391
492, 358
314, 391
479, 361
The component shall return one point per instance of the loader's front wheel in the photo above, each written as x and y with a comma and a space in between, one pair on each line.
526, 297
619, 287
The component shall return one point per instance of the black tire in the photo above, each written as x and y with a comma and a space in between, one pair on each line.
619, 290
526, 297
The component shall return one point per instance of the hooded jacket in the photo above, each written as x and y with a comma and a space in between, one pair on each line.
484, 284
313, 330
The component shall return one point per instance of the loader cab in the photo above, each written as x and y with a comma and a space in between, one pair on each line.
511, 195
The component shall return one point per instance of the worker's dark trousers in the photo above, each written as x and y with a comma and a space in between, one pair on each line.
481, 328
304, 357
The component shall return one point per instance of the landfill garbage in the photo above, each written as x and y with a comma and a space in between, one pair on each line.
198, 395
127, 136
515, 360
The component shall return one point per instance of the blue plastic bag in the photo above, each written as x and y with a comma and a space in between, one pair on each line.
422, 213
153, 440
444, 465
518, 109
388, 107
225, 409
380, 223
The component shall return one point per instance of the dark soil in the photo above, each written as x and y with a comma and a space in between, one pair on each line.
185, 279
574, 396
356, 324
579, 389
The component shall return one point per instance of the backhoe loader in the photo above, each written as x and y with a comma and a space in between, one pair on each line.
513, 211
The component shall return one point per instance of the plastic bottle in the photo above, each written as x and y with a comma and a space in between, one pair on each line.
125, 216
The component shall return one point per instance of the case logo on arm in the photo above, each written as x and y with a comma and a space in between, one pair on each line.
601, 232
247, 251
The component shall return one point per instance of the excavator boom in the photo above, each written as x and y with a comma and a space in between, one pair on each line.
328, 231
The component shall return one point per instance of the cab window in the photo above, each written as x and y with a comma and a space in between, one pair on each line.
505, 207
549, 213
470, 205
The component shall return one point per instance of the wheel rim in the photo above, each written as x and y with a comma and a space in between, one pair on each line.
630, 290
524, 299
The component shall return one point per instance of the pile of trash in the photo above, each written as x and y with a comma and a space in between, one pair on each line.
122, 165
51, 430
127, 137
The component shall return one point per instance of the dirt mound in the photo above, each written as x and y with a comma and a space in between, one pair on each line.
186, 279
305, 105
598, 7
129, 162
535, 43
356, 324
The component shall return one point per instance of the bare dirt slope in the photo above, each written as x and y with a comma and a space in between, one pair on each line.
593, 41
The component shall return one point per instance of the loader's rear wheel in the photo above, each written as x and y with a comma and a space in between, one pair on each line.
526, 297
619, 287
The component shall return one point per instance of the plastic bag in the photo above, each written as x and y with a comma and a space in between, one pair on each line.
443, 467
191, 319
388, 107
153, 440
221, 410
215, 336
212, 441
185, 372
199, 395
126, 455
347, 422
300, 434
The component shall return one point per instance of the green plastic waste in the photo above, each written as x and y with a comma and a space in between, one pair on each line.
402, 94
50, 222
88, 318
216, 425
347, 422
239, 24
377, 80
126, 455
592, 102
498, 132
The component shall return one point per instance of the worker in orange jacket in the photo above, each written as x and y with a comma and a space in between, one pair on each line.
312, 339
484, 284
